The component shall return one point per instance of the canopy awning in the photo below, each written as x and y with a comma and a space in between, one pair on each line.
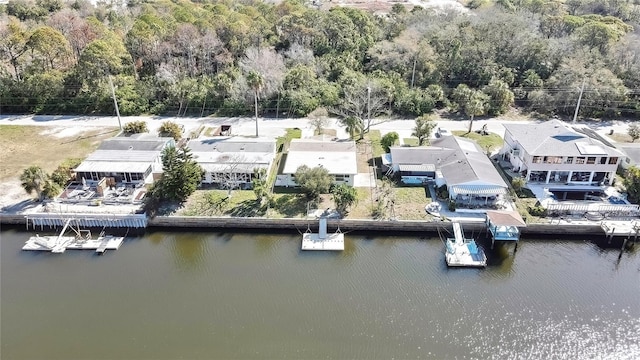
418, 167
505, 218
478, 190
113, 167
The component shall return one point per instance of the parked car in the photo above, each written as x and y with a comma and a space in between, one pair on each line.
442, 132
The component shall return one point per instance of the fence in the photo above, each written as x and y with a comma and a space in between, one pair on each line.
609, 209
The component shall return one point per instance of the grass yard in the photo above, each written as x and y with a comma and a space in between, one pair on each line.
410, 141
30, 145
489, 142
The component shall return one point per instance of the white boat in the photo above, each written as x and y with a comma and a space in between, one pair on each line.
81, 240
463, 252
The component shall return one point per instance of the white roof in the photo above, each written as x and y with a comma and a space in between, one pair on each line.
111, 166
239, 168
337, 157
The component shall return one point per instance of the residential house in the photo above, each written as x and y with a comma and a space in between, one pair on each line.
459, 163
128, 160
231, 161
338, 157
632, 154
555, 153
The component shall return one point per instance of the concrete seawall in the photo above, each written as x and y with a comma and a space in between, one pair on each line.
238, 223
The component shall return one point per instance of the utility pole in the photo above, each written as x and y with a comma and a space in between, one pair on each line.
368, 107
115, 102
575, 115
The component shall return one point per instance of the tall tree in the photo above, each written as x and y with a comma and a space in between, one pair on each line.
256, 82
634, 131
363, 101
264, 70
180, 178
424, 127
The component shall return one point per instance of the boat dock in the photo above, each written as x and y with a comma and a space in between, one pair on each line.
504, 226
322, 240
80, 241
462, 252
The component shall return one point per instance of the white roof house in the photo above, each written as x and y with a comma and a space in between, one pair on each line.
130, 159
233, 159
338, 157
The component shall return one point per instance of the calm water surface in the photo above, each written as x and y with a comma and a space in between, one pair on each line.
243, 296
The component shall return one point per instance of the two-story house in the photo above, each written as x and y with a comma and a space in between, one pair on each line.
555, 153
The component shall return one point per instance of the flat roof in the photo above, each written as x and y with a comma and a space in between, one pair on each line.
111, 166
336, 157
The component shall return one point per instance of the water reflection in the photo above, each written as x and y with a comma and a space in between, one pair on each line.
259, 296
188, 250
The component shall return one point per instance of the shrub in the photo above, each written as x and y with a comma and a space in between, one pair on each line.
452, 205
136, 127
170, 129
537, 210
442, 192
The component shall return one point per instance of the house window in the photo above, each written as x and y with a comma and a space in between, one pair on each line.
580, 160
613, 160
603, 160
569, 160
591, 160
553, 159
340, 177
537, 159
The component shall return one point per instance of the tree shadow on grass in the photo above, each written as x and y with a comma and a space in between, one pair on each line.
248, 208
291, 205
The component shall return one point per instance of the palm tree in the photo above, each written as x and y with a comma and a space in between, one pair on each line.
255, 80
352, 125
475, 106
33, 179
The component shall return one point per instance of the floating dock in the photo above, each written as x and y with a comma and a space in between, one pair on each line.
462, 252
81, 241
322, 240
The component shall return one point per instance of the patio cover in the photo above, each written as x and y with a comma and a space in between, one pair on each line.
505, 218
418, 168
113, 167
478, 190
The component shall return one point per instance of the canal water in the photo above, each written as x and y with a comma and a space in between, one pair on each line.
206, 295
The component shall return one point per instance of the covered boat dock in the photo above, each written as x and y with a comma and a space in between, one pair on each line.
504, 226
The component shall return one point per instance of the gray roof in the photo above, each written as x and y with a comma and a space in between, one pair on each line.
472, 164
137, 143
461, 161
233, 145
419, 155
555, 138
632, 151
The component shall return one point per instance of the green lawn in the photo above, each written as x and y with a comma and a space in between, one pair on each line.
374, 136
410, 141
489, 142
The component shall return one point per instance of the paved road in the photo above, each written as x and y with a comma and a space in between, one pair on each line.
274, 127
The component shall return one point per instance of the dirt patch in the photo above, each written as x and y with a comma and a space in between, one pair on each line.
24, 146
32, 145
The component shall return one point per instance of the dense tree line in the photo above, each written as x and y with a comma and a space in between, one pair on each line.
288, 59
